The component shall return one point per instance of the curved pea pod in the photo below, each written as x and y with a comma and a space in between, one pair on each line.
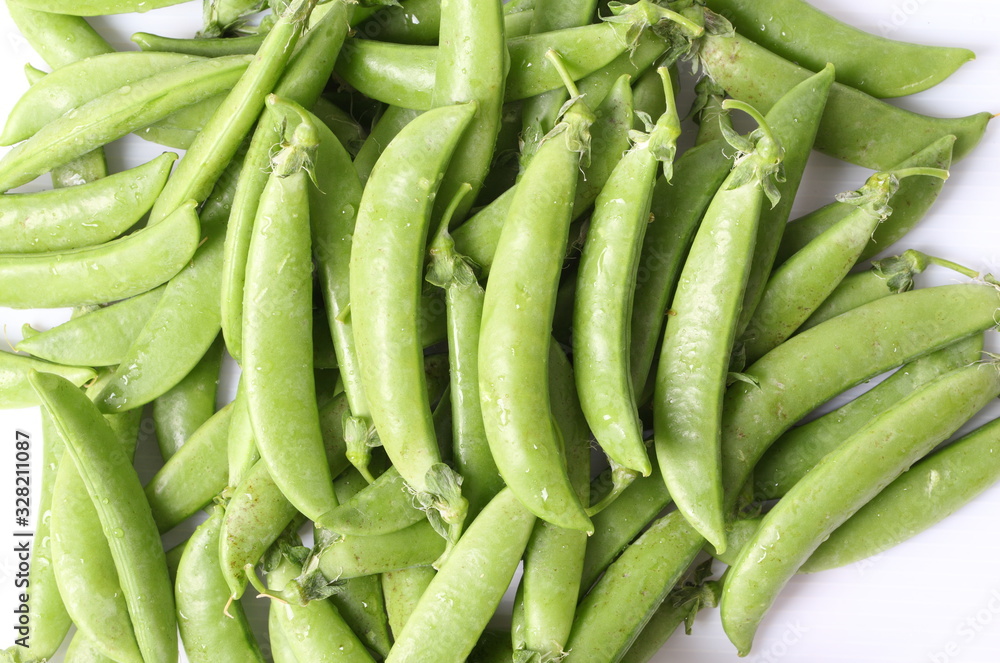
14, 385
877, 66
97, 7
928, 492
60, 92
840, 485
126, 519
92, 275
99, 338
353, 556
112, 115
201, 595
855, 127
79, 40
213, 47
84, 215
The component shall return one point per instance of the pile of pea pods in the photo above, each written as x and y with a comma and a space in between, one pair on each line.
488, 316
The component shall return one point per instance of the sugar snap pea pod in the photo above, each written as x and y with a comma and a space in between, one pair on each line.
14, 385
179, 129
348, 131
173, 556
387, 505
211, 150
796, 452
605, 283
386, 319
353, 556
192, 476
800, 284
207, 48
463, 596
201, 594
125, 518
99, 338
83, 650
43, 30
931, 490
115, 114
60, 92
694, 363
178, 413
880, 67
223, 16
116, 270
281, 651
841, 484
388, 125
403, 589
517, 322
412, 22
241, 449
909, 204
83, 215
96, 7
855, 127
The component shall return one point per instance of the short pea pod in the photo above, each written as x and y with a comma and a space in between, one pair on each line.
880, 67
800, 284
855, 127
178, 413
698, 340
125, 518
605, 285
796, 452
201, 595
97, 7
14, 383
93, 275
931, 490
84, 215
115, 114
840, 485
385, 309
458, 603
99, 338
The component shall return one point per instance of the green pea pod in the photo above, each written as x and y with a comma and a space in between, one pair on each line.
117, 270
115, 114
194, 475
174, 559
181, 411
84, 215
348, 131
207, 48
877, 66
403, 589
458, 603
241, 448
179, 129
796, 452
201, 594
97, 7
390, 123
855, 127
60, 92
931, 490
125, 518
281, 650
83, 650
841, 484
14, 372
386, 506
43, 30
353, 556
226, 15
99, 338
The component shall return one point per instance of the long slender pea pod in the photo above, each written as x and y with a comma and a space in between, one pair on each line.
125, 518
458, 603
841, 484
517, 325
41, 27
181, 411
800, 284
606, 280
92, 275
14, 384
931, 490
99, 338
402, 590
386, 273
390, 123
96, 7
60, 92
800, 449
216, 144
201, 594
698, 340
206, 48
353, 556
477, 238
910, 203
115, 114
194, 475
84, 215
855, 127
880, 67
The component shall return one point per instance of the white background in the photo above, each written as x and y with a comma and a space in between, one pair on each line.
935, 598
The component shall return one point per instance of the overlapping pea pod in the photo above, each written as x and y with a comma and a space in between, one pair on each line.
14, 372
208, 48
841, 484
404, 75
875, 65
181, 411
92, 275
96, 7
223, 16
116, 113
84, 215
419, 21
855, 127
